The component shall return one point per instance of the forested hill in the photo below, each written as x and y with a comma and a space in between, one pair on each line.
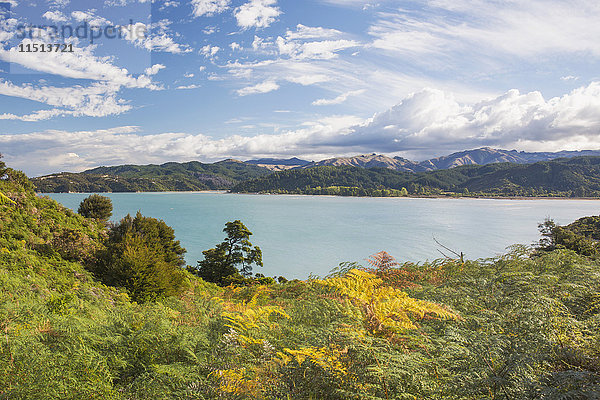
152, 178
574, 177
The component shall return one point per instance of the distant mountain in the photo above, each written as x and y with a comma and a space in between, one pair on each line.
276, 164
369, 161
482, 156
575, 177
171, 176
487, 155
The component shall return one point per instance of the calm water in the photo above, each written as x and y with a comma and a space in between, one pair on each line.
300, 235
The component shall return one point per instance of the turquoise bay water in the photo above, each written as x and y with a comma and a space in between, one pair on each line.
300, 235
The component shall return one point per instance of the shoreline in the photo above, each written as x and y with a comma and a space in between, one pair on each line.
338, 196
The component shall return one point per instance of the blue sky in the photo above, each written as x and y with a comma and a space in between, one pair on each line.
212, 79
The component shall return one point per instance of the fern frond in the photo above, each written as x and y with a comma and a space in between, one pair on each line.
384, 307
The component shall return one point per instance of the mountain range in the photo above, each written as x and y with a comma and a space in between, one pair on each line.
223, 175
482, 156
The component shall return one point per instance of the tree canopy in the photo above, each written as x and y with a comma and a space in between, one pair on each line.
97, 207
232, 259
143, 256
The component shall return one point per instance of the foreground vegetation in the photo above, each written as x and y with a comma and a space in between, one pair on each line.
521, 326
575, 177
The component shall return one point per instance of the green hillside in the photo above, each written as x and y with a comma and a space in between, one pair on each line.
575, 177
525, 325
190, 176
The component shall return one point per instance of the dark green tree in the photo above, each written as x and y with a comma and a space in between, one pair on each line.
547, 231
581, 236
97, 207
143, 256
231, 260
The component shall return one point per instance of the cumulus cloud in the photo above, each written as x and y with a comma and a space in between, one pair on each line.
153, 70
257, 14
209, 7
263, 87
209, 51
432, 119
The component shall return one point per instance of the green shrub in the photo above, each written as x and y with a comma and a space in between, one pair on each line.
143, 256
97, 207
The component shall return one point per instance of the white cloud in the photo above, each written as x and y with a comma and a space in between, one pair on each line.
188, 75
80, 64
257, 14
96, 100
338, 100
209, 7
569, 78
36, 115
235, 46
300, 57
154, 69
153, 38
55, 16
46, 152
325, 49
209, 51
59, 3
184, 87
303, 32
301, 43
90, 17
263, 87
432, 119
490, 30
351, 3
307, 80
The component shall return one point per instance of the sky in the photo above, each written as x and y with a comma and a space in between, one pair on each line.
171, 80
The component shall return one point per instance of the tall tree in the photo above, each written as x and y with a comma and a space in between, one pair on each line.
234, 256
